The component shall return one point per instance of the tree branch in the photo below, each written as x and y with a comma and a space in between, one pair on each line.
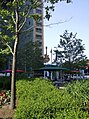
48, 25
6, 43
13, 19
28, 29
9, 48
34, 4
22, 24
51, 24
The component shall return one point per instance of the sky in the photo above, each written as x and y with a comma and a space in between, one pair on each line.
73, 17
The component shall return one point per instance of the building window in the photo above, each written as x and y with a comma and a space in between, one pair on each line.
38, 36
39, 23
39, 30
29, 22
39, 11
40, 43
40, 6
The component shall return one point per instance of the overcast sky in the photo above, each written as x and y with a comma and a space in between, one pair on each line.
75, 18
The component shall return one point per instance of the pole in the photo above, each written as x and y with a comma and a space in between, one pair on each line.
51, 55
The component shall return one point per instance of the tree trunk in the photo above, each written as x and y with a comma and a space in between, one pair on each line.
13, 78
13, 81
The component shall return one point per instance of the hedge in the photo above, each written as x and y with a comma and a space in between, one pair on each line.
39, 99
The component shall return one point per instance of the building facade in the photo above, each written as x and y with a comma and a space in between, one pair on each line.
35, 30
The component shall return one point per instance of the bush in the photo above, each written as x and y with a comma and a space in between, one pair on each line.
39, 99
21, 75
5, 83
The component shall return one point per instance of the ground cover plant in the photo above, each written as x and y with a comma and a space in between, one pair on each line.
4, 91
39, 99
4, 97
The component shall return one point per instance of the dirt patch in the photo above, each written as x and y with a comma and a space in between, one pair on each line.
6, 113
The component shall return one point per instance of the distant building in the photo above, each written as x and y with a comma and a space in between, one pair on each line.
36, 32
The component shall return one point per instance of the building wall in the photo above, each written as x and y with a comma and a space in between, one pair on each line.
36, 30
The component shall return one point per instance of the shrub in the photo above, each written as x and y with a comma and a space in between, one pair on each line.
5, 83
39, 99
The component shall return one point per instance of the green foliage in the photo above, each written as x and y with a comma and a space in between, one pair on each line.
4, 97
5, 83
21, 75
13, 16
2, 61
4, 54
30, 58
8, 18
39, 99
51, 7
70, 50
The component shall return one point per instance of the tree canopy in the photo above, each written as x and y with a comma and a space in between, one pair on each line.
70, 50
30, 56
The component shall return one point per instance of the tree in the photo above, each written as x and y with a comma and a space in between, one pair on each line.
2, 61
13, 16
31, 57
52, 6
70, 50
3, 57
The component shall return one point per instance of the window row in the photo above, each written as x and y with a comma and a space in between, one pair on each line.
38, 36
39, 30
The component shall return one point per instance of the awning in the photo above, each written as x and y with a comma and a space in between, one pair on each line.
52, 68
9, 70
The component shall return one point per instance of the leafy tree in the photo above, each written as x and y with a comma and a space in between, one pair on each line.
13, 16
2, 62
70, 50
3, 57
52, 6
31, 57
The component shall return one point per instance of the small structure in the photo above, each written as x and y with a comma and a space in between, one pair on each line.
53, 72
